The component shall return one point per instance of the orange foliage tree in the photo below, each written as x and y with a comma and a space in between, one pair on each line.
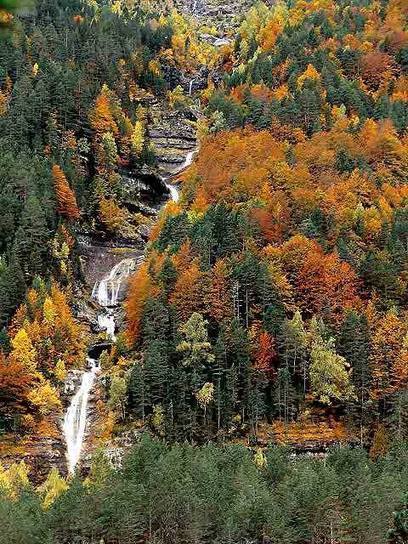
325, 283
140, 289
236, 165
15, 385
376, 66
189, 291
265, 354
219, 302
101, 116
67, 204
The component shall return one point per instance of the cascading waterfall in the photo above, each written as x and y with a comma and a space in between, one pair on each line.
174, 192
107, 293
189, 160
76, 417
107, 323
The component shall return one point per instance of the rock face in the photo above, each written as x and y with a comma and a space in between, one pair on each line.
142, 191
39, 453
98, 259
225, 16
173, 136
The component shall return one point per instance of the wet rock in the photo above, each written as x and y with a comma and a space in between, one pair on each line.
145, 232
98, 259
96, 350
86, 313
145, 187
39, 453
71, 385
121, 444
220, 42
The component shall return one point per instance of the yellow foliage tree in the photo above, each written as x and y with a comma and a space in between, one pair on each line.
111, 214
52, 488
177, 99
14, 479
138, 138
45, 398
260, 459
309, 73
49, 311
60, 371
23, 351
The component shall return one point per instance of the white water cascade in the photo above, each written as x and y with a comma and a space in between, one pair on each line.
107, 293
76, 417
174, 192
107, 323
189, 160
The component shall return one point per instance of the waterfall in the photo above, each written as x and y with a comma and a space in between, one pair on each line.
107, 293
190, 88
174, 192
107, 322
188, 161
75, 417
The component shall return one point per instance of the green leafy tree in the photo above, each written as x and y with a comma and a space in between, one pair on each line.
195, 349
329, 373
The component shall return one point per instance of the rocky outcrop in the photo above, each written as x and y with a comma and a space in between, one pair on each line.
172, 135
224, 15
39, 453
98, 258
143, 190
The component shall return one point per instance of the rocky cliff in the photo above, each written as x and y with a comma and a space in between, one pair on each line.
224, 16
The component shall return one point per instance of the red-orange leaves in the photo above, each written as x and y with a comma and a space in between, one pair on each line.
15, 382
235, 165
265, 354
376, 67
325, 283
67, 204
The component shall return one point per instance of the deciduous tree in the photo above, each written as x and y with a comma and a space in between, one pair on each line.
67, 205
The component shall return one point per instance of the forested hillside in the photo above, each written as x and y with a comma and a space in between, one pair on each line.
280, 276
74, 81
246, 163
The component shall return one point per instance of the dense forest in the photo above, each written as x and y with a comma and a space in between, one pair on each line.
279, 279
185, 494
268, 319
